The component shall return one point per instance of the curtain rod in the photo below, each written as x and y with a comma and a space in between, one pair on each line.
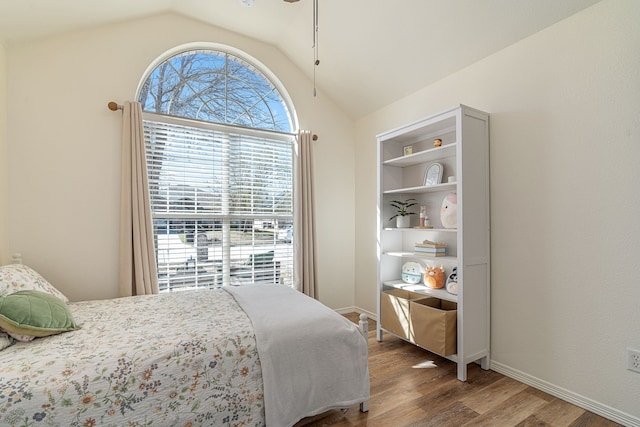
114, 106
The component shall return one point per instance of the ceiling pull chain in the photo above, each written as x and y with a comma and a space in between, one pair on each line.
316, 61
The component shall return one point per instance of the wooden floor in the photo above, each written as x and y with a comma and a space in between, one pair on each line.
413, 387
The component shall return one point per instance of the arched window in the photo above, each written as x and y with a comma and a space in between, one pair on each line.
216, 87
219, 145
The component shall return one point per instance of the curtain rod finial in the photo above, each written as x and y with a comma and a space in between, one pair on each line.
113, 106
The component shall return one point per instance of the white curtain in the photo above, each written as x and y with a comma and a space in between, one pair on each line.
304, 217
138, 272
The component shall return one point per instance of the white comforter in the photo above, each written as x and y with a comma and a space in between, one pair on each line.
303, 376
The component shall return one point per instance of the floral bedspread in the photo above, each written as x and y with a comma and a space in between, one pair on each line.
178, 359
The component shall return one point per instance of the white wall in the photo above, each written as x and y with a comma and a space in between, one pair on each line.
4, 176
565, 200
64, 146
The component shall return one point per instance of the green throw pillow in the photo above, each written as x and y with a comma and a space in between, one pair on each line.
35, 313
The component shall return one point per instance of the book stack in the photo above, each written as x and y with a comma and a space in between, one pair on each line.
430, 248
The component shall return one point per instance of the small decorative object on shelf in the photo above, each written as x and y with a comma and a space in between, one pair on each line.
449, 211
434, 277
424, 218
430, 248
431, 244
412, 272
437, 142
408, 149
403, 220
452, 282
433, 174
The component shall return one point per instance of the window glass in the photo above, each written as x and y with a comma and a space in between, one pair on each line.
217, 87
221, 187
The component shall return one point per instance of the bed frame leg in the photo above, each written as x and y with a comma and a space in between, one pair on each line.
363, 325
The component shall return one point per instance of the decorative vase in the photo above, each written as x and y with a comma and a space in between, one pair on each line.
403, 221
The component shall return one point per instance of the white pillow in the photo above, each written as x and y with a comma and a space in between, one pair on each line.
19, 277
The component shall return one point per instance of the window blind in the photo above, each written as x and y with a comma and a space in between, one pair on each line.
221, 202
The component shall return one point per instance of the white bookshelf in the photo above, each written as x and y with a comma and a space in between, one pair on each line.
464, 155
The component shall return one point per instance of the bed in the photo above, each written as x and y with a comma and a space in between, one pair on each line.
239, 356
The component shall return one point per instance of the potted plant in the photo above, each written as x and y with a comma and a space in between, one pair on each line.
403, 220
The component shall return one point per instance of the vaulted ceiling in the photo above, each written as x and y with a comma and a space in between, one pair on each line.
372, 52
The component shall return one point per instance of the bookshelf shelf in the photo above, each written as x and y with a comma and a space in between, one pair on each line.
421, 289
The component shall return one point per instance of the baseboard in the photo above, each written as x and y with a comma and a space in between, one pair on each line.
569, 396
